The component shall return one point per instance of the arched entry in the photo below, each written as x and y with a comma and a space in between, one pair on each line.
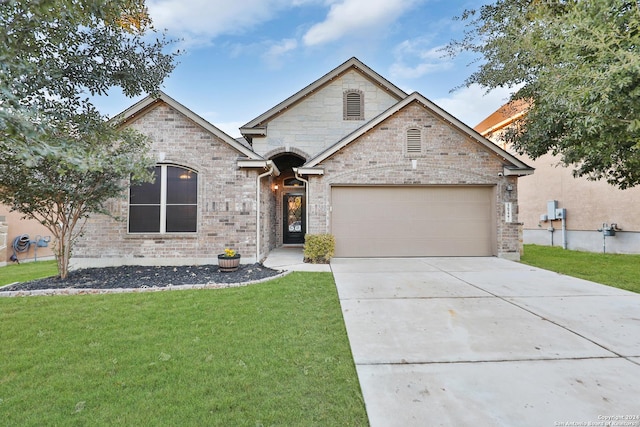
291, 194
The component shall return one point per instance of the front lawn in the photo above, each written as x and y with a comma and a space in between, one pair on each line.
620, 271
274, 353
27, 271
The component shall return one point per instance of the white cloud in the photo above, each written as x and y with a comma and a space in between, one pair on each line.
471, 105
204, 20
416, 58
277, 50
355, 16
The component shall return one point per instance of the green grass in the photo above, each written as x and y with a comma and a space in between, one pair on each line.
274, 353
617, 270
27, 271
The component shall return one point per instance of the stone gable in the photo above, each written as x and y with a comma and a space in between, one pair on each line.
316, 122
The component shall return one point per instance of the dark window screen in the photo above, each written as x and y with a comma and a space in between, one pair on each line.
181, 207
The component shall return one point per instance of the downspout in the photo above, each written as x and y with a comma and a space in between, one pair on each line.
306, 197
258, 198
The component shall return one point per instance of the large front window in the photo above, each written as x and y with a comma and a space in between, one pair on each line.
168, 205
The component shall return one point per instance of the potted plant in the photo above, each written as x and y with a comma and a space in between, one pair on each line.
229, 260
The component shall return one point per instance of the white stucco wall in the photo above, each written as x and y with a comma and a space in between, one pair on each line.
588, 204
316, 122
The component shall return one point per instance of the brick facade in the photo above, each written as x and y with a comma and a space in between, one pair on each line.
226, 203
238, 204
449, 157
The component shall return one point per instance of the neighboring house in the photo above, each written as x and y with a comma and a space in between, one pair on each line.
387, 173
589, 205
12, 226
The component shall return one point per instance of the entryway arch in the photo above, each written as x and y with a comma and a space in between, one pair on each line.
291, 200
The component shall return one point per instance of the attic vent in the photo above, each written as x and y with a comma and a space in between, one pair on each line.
414, 141
353, 105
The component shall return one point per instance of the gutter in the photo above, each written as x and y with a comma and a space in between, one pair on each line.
306, 171
272, 169
306, 197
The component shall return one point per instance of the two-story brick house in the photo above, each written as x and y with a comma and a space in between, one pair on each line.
386, 172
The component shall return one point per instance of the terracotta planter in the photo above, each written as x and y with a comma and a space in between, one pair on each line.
228, 264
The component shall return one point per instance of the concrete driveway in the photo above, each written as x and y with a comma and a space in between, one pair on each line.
489, 342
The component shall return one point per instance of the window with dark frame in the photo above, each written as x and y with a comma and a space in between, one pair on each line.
167, 205
353, 105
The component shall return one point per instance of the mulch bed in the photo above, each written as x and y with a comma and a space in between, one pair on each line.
140, 277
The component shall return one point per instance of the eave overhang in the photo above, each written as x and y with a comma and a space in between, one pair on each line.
258, 164
308, 171
511, 171
141, 107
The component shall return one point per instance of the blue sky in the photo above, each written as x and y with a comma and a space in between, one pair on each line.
242, 57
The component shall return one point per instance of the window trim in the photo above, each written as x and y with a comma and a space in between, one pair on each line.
163, 203
346, 103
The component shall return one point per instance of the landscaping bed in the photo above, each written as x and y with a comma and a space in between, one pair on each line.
139, 277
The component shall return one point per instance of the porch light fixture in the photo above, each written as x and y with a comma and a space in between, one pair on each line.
275, 187
509, 188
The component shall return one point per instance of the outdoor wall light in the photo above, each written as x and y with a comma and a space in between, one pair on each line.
509, 188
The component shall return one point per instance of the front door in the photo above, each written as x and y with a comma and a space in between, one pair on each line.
293, 218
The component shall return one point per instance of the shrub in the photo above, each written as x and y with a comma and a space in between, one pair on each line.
319, 248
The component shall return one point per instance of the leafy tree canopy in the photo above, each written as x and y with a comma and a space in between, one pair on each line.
577, 64
60, 159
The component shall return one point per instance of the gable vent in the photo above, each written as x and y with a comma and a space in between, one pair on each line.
414, 141
353, 105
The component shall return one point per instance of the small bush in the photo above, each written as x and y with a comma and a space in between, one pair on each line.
319, 248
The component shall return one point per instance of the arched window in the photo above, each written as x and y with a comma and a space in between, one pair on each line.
168, 205
353, 105
414, 141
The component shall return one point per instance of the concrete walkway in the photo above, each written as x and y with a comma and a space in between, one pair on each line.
489, 342
290, 258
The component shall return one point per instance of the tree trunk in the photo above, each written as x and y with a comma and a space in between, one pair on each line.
62, 249
62, 257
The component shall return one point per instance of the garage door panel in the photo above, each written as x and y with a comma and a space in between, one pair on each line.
413, 221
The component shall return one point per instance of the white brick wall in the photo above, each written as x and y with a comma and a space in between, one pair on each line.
316, 122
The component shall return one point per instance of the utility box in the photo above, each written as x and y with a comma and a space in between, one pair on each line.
561, 213
552, 207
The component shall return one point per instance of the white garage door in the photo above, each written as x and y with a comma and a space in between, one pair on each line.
381, 221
